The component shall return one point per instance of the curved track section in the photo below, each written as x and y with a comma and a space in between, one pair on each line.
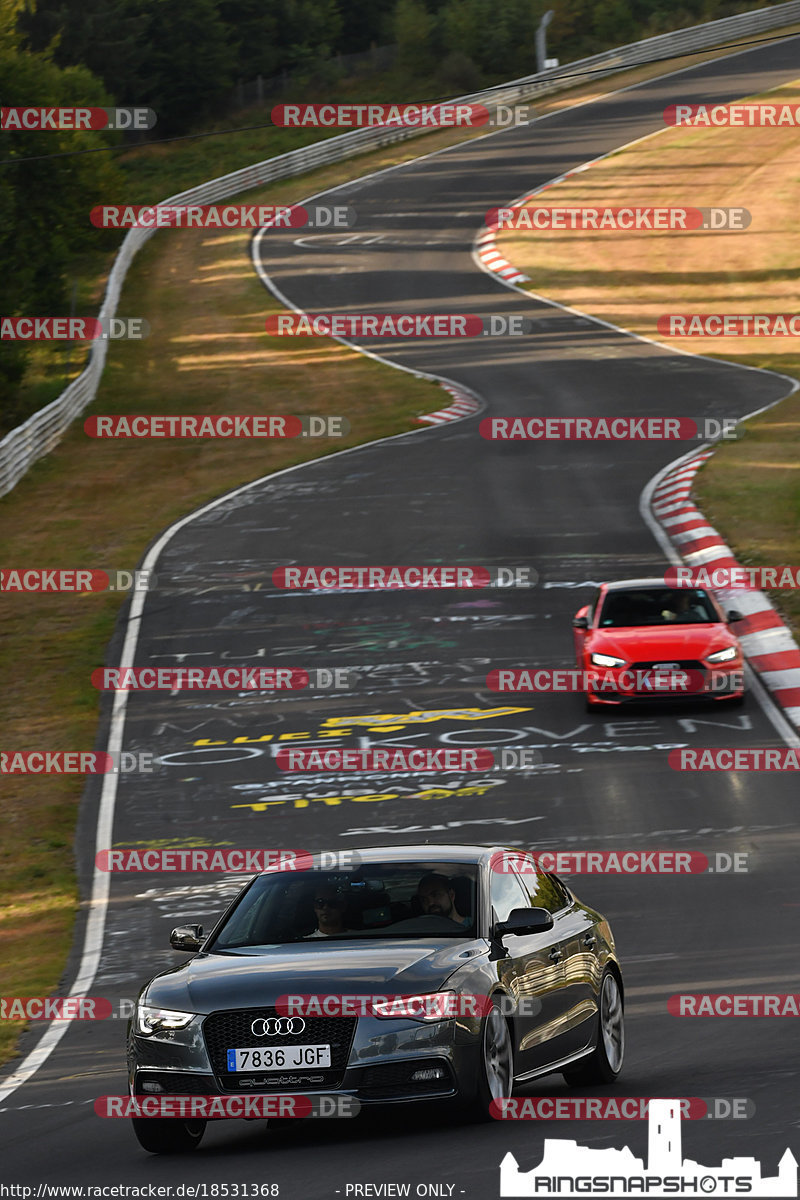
443, 495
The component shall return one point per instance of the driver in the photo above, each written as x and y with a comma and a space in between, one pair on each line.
438, 899
329, 907
684, 607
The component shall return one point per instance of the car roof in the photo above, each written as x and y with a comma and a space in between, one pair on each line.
621, 585
471, 854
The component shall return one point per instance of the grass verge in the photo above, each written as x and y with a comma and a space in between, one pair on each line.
750, 489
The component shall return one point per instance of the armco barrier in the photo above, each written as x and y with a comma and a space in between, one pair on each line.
44, 430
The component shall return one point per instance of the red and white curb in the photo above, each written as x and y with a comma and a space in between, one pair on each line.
768, 644
492, 259
485, 246
463, 405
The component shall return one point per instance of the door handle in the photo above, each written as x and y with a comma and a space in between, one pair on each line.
555, 954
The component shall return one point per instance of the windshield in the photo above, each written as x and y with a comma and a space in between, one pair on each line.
409, 900
657, 606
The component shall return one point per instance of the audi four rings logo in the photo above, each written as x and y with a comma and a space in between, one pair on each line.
275, 1026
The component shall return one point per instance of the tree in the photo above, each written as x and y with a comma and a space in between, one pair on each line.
412, 26
188, 69
44, 203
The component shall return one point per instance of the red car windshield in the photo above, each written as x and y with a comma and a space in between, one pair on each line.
657, 606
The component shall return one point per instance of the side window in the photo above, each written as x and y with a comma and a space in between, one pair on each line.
593, 606
506, 894
545, 891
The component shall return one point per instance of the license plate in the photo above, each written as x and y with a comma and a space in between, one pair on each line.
267, 1058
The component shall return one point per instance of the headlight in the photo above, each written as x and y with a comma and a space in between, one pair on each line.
433, 1006
606, 660
723, 655
148, 1021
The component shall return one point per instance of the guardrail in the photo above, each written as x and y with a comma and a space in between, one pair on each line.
44, 430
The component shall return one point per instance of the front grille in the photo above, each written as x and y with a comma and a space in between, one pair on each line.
683, 664
230, 1030
176, 1083
387, 1080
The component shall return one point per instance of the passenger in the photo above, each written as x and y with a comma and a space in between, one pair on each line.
438, 899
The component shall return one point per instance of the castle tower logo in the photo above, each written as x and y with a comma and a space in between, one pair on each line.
568, 1169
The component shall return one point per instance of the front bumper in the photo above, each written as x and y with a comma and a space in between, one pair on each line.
629, 685
388, 1062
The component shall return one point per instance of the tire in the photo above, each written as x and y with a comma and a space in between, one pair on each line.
604, 1064
167, 1135
495, 1065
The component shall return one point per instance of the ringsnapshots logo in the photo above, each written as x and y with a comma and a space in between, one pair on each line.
132, 120
221, 425
222, 216
620, 219
73, 329
397, 325
569, 1169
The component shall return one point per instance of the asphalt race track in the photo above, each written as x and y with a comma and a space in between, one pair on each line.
445, 495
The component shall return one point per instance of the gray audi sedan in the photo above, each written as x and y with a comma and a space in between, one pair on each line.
413, 973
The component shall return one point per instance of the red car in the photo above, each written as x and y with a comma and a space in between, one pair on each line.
641, 639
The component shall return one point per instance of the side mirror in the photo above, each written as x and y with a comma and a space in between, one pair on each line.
525, 920
186, 937
580, 622
734, 615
